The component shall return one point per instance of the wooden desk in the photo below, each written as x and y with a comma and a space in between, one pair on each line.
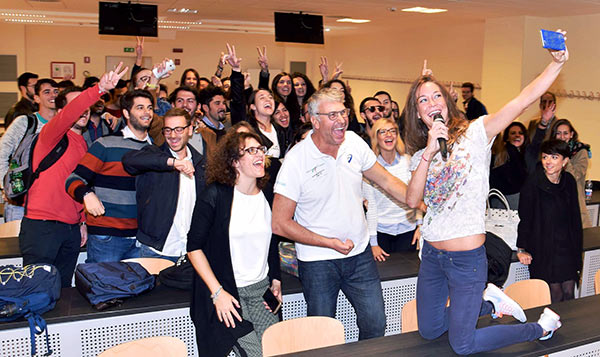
580, 328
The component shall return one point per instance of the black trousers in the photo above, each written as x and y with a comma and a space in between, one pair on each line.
398, 243
51, 242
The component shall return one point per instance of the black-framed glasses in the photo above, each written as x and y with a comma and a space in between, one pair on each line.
253, 150
178, 130
334, 115
383, 132
373, 108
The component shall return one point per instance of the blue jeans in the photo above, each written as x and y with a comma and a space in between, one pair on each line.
13, 213
461, 276
147, 252
111, 248
358, 278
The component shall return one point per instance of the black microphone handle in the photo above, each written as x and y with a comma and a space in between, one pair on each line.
443, 148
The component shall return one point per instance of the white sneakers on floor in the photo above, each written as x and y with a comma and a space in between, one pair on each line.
550, 322
503, 304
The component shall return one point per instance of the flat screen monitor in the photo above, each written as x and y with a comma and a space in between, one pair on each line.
116, 18
300, 28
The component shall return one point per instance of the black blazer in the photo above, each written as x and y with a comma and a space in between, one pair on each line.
157, 190
210, 232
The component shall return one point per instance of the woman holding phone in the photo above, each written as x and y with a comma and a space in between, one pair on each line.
230, 247
454, 263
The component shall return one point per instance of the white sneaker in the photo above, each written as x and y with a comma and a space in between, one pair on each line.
503, 304
550, 322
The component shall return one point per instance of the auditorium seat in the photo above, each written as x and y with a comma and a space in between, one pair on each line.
302, 334
10, 229
409, 317
529, 293
597, 282
159, 346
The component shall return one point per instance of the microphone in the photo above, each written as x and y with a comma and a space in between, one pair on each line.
442, 141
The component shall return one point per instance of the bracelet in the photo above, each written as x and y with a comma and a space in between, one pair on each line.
424, 159
216, 294
151, 86
521, 250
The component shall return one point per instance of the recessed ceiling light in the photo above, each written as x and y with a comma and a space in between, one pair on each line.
174, 27
21, 15
30, 21
354, 21
183, 10
424, 10
180, 22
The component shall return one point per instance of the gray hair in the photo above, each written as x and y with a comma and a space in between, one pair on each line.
323, 95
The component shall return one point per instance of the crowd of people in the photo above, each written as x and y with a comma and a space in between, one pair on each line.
223, 172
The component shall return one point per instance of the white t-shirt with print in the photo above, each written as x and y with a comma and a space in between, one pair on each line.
328, 193
456, 190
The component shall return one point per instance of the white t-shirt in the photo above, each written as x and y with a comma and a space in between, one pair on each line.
328, 193
249, 237
274, 150
456, 189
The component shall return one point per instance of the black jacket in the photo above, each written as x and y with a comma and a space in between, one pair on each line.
475, 109
542, 208
210, 232
157, 190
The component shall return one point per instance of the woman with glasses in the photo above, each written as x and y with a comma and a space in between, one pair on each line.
392, 224
232, 252
454, 186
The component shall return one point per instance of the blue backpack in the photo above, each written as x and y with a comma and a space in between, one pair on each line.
29, 292
107, 284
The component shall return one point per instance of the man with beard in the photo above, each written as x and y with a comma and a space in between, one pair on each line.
97, 127
170, 178
204, 139
52, 231
386, 100
107, 190
45, 94
212, 99
26, 83
371, 110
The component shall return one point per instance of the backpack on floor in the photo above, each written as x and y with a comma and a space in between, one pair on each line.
106, 284
28, 292
20, 175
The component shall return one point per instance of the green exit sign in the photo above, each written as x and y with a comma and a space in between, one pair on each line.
128, 49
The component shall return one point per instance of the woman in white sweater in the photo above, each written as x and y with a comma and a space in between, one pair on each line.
392, 224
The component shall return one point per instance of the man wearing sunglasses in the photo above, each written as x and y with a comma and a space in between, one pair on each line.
168, 180
371, 110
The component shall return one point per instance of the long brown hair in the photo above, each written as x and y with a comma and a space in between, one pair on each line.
416, 130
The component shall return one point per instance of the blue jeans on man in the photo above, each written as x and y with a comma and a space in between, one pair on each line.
358, 279
461, 276
13, 213
147, 252
111, 248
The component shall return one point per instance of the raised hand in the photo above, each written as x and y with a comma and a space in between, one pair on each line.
324, 69
232, 59
216, 81
426, 71
263, 61
548, 113
338, 71
560, 56
160, 67
109, 80
247, 80
139, 49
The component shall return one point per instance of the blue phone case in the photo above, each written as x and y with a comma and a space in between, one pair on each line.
553, 40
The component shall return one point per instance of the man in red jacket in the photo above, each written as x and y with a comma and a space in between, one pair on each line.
53, 228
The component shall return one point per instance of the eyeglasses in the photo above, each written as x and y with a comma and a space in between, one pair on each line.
383, 132
253, 150
334, 115
178, 130
373, 108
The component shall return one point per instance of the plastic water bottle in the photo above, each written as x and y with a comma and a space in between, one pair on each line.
588, 190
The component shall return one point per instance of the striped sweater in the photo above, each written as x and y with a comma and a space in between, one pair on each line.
101, 171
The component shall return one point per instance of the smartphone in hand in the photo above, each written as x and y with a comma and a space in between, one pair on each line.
553, 40
272, 301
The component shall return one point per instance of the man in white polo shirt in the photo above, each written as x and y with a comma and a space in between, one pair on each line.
318, 204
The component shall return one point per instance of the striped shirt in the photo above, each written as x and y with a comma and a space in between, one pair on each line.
102, 172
